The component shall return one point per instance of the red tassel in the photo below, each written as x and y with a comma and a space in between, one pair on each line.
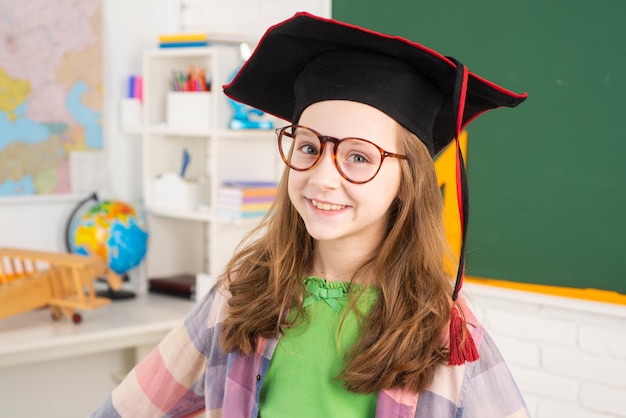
462, 346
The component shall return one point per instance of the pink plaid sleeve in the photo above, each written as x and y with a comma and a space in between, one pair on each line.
171, 380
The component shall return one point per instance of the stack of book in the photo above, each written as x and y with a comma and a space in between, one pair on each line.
245, 199
180, 40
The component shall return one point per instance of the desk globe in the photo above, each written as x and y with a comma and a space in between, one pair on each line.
112, 230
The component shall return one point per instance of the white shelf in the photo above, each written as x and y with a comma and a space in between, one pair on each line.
197, 241
202, 216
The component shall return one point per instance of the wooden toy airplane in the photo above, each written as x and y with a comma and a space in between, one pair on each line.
64, 282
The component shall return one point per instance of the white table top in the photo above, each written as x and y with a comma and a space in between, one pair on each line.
33, 336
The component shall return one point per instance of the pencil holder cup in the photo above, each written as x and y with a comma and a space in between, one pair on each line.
189, 110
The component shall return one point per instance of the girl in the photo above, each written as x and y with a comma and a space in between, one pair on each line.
343, 306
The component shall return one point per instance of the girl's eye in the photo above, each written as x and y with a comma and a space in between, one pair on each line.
357, 158
308, 149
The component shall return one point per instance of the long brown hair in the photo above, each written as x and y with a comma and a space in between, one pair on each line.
401, 340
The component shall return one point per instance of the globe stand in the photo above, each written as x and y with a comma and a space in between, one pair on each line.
115, 294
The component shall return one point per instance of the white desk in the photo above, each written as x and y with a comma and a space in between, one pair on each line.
69, 369
34, 336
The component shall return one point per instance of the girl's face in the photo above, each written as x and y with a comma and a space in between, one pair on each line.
333, 209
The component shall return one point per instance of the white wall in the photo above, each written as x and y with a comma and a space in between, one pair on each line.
567, 355
248, 17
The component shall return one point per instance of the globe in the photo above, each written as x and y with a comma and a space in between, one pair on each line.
112, 230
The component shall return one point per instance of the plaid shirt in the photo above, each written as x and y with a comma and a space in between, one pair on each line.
188, 374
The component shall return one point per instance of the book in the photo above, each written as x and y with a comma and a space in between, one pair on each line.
245, 207
182, 44
245, 194
229, 200
182, 285
183, 37
171, 40
238, 200
243, 189
250, 184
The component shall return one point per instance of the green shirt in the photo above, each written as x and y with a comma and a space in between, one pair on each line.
302, 377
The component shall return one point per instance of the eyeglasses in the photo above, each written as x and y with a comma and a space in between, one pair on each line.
357, 160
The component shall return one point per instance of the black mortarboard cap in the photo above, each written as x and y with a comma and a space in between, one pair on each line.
307, 59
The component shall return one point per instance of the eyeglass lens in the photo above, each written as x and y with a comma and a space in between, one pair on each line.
358, 160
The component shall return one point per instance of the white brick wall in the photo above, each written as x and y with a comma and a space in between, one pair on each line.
568, 356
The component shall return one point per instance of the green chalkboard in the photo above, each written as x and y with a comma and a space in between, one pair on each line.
547, 179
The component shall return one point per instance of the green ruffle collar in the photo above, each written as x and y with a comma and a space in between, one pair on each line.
321, 289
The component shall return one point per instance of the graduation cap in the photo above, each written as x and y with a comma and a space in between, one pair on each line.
307, 59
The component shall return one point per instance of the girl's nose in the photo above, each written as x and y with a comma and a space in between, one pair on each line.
325, 173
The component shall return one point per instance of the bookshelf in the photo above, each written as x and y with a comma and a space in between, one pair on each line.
191, 238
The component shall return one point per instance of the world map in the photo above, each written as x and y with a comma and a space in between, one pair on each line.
50, 91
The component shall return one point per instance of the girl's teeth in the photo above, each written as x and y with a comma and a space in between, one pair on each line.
326, 206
